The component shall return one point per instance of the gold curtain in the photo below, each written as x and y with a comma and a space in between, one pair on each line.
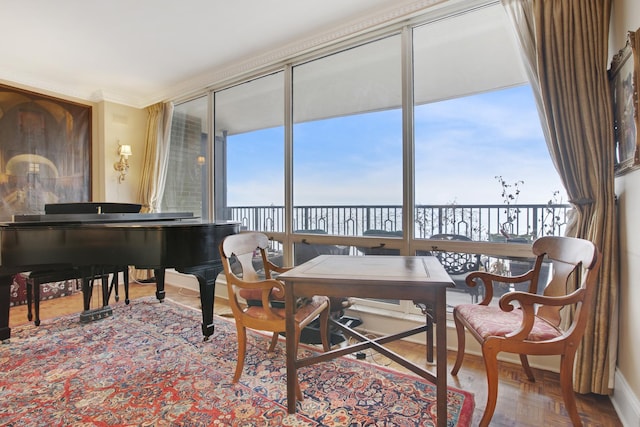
154, 162
565, 44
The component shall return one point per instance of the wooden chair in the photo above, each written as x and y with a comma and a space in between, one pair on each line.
258, 302
535, 325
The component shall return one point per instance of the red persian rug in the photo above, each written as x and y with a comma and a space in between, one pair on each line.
148, 366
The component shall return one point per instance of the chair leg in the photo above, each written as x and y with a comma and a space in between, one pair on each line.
527, 369
566, 385
29, 300
242, 349
324, 330
274, 342
461, 344
36, 302
490, 357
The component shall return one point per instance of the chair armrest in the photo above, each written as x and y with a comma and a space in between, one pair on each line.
268, 288
488, 280
527, 299
527, 303
273, 268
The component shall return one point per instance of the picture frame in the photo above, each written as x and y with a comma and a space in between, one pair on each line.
623, 76
45, 152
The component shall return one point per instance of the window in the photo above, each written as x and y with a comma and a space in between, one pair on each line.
186, 187
370, 150
347, 140
249, 148
477, 129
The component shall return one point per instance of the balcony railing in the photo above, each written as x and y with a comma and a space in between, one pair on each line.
478, 222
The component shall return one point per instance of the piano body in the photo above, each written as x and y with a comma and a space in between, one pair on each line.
105, 237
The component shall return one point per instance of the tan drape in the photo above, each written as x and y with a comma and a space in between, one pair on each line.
565, 44
156, 156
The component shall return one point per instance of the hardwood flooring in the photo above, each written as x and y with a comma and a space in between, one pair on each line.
520, 402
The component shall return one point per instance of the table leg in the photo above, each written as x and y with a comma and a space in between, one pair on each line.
292, 373
440, 309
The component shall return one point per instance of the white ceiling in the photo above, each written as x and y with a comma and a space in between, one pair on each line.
138, 52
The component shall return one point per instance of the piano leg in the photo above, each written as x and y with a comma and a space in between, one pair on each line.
159, 273
206, 276
5, 296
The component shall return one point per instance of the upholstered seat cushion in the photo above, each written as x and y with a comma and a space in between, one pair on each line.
302, 312
492, 321
254, 296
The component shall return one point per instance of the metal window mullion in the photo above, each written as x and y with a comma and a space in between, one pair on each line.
407, 140
288, 164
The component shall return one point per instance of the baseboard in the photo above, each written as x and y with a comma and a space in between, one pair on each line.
190, 282
625, 402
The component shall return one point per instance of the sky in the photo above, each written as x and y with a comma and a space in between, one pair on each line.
462, 146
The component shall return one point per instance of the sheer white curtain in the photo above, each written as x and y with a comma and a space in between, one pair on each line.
156, 156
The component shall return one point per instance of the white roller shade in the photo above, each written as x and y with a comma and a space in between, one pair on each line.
468, 53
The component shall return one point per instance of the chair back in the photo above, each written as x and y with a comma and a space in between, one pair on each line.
574, 265
238, 255
242, 248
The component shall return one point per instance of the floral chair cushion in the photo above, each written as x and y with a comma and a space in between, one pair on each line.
492, 321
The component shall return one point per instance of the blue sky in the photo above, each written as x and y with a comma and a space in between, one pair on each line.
461, 145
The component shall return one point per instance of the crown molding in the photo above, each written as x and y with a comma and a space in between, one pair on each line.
371, 22
200, 83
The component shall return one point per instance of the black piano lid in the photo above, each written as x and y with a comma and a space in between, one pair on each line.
83, 218
91, 207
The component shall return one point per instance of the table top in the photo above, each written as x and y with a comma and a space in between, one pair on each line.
369, 276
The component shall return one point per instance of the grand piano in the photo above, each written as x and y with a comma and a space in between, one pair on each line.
154, 241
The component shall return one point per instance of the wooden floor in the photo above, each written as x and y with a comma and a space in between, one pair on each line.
520, 403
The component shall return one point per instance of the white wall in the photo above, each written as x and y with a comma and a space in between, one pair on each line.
626, 398
115, 123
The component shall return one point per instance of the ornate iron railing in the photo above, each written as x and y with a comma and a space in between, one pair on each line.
478, 222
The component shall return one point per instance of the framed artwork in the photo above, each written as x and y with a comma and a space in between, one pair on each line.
45, 152
623, 76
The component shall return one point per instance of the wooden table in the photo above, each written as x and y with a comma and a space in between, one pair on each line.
417, 278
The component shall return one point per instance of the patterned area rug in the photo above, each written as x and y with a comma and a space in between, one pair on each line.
148, 366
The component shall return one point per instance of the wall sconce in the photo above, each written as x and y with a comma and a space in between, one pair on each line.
122, 166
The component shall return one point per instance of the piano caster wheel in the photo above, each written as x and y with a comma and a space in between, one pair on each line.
29, 317
117, 298
127, 301
37, 322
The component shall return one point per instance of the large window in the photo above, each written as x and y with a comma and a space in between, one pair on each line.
186, 187
347, 140
378, 146
477, 134
249, 151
